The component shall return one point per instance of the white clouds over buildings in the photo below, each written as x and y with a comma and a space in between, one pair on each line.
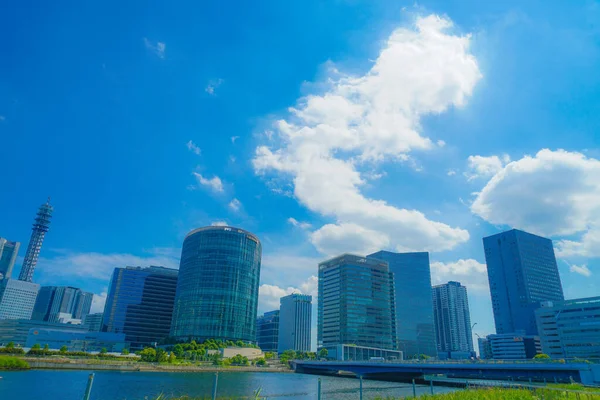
327, 138
485, 167
471, 273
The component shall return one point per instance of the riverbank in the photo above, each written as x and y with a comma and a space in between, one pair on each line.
132, 366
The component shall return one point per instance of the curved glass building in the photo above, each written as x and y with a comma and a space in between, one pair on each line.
217, 289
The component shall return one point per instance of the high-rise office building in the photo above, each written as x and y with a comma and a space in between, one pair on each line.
61, 303
570, 328
413, 302
140, 304
355, 303
41, 225
8, 255
267, 331
17, 298
83, 305
522, 272
43, 303
217, 291
452, 319
295, 313
93, 322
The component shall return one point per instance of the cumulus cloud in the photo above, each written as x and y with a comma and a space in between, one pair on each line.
484, 167
98, 302
299, 224
553, 193
215, 184
235, 205
219, 223
328, 138
157, 48
269, 295
588, 246
193, 147
470, 273
213, 85
451, 172
581, 270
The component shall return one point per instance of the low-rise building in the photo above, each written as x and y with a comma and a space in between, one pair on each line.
248, 352
17, 330
76, 340
514, 346
347, 352
570, 328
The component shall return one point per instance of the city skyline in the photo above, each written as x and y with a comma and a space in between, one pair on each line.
187, 140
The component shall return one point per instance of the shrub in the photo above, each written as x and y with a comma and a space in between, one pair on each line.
12, 363
541, 356
13, 350
260, 362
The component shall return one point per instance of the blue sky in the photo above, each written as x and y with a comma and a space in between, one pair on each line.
323, 127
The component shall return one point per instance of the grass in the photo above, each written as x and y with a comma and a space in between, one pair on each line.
574, 386
510, 394
12, 363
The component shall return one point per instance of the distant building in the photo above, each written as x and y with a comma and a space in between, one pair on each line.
75, 340
8, 255
295, 316
347, 352
514, 346
485, 350
452, 320
93, 322
217, 292
41, 225
17, 330
570, 328
55, 303
355, 303
140, 304
522, 272
413, 302
267, 331
17, 299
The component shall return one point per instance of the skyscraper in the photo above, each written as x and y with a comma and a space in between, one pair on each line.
140, 304
56, 303
43, 303
17, 298
93, 322
8, 255
413, 301
267, 331
40, 227
452, 318
217, 291
522, 272
295, 314
355, 303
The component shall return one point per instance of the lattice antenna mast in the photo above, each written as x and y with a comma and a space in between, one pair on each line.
39, 229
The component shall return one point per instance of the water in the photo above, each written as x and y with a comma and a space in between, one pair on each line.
115, 385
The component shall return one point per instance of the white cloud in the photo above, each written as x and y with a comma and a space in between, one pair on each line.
213, 183
327, 138
234, 138
552, 193
470, 273
157, 48
581, 270
588, 246
235, 205
484, 167
269, 295
213, 85
219, 223
299, 224
441, 143
334, 239
98, 303
451, 172
193, 147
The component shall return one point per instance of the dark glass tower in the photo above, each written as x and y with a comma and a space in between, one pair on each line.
522, 271
140, 304
217, 291
267, 331
40, 227
414, 306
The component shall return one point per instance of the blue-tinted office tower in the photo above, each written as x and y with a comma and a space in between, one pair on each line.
413, 301
8, 255
355, 303
140, 304
217, 292
295, 315
267, 331
523, 273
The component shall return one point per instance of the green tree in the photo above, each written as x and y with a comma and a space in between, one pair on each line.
323, 353
161, 355
178, 350
10, 345
269, 355
103, 351
239, 343
36, 347
148, 354
260, 362
125, 352
172, 358
63, 349
46, 347
238, 359
541, 356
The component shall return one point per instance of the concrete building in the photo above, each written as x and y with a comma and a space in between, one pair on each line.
217, 291
140, 304
17, 330
17, 298
570, 328
345, 352
248, 352
267, 331
41, 225
356, 303
452, 321
485, 350
522, 272
514, 346
93, 322
75, 340
8, 255
413, 306
295, 316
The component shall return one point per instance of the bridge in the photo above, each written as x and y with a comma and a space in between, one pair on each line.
588, 374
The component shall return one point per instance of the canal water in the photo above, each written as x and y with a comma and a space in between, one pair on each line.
115, 385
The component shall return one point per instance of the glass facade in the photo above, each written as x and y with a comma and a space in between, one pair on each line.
295, 313
56, 302
355, 303
452, 318
140, 304
217, 292
522, 272
413, 297
8, 255
17, 298
267, 331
